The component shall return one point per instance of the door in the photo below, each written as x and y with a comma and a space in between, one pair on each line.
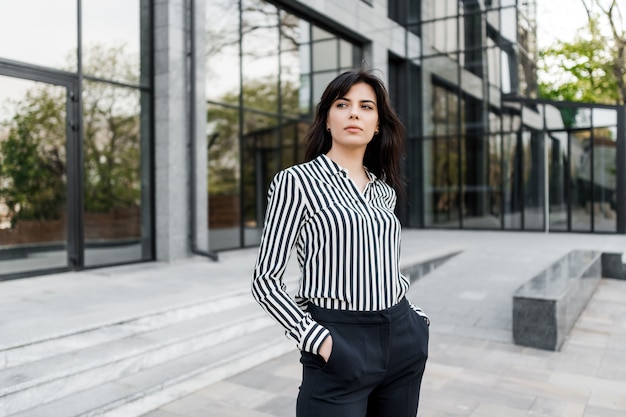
39, 181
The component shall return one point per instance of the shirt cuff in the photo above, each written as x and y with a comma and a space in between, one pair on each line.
421, 313
312, 337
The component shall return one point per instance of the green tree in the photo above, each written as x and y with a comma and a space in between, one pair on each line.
32, 155
590, 68
260, 96
32, 158
111, 129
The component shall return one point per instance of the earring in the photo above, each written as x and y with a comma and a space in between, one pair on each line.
376, 131
328, 128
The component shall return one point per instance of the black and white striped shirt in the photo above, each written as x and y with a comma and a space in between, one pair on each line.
347, 243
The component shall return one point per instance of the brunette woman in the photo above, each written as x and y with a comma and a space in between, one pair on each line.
363, 345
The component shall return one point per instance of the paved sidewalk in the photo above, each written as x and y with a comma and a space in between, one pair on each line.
474, 369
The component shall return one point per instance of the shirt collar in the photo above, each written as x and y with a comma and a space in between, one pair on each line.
334, 168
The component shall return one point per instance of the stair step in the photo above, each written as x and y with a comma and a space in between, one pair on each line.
74, 339
61, 375
141, 392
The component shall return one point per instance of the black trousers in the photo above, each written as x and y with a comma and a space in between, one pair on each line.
375, 368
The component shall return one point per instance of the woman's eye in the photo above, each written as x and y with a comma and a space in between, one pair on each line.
342, 105
367, 106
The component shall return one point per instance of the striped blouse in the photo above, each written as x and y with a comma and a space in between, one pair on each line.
347, 243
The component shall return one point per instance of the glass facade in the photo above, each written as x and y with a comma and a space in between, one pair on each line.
77, 129
266, 67
75, 135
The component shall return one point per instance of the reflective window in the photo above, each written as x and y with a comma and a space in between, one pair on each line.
116, 52
107, 197
286, 63
513, 181
582, 188
494, 65
222, 50
508, 14
112, 184
406, 13
442, 26
33, 176
325, 56
506, 71
533, 180
47, 32
446, 153
558, 177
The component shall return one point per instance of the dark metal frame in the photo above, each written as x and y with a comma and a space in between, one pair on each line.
73, 82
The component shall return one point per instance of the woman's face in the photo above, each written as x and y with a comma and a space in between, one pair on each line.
353, 118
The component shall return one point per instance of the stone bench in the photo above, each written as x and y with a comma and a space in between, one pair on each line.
614, 265
546, 307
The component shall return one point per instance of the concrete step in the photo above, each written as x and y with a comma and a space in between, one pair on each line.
141, 392
132, 347
130, 366
43, 345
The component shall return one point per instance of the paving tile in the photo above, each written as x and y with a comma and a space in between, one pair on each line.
610, 396
235, 394
258, 378
495, 410
613, 364
554, 407
593, 411
161, 413
280, 406
192, 406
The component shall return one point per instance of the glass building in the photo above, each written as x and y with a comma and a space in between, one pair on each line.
148, 131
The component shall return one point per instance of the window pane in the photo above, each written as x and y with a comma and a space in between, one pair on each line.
558, 178
112, 183
115, 53
582, 188
512, 169
261, 160
325, 55
603, 185
222, 53
509, 23
320, 81
442, 184
292, 67
33, 221
533, 181
285, 68
321, 34
346, 54
223, 177
260, 44
40, 32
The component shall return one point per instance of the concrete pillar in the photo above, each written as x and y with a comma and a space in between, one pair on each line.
173, 120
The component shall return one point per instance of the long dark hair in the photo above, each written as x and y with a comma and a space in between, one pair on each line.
383, 153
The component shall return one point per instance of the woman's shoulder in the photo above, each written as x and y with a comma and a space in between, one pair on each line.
298, 170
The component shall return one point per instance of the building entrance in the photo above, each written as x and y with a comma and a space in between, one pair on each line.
39, 189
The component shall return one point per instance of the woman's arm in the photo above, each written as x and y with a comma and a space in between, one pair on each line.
284, 217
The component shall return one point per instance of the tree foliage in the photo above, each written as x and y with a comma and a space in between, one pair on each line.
590, 67
111, 127
32, 158
33, 154
261, 100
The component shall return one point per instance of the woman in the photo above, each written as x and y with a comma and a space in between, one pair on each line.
363, 346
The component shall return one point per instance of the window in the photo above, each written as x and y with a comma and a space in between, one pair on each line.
257, 127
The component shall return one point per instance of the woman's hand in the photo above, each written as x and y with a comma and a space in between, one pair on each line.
326, 348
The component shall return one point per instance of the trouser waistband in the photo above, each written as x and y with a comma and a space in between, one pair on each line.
359, 317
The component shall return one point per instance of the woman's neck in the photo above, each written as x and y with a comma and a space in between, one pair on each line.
352, 161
